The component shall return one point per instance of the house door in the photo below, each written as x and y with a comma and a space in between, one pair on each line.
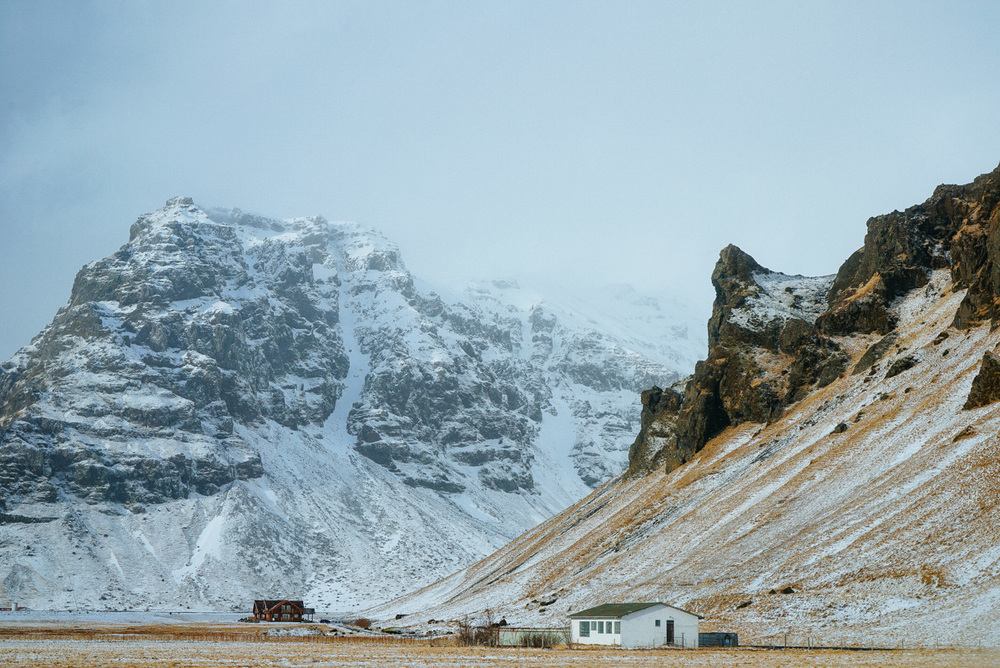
670, 632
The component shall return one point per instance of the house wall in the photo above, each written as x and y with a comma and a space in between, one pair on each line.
595, 637
284, 612
639, 629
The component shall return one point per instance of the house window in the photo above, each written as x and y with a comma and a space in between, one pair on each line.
618, 627
600, 627
657, 622
584, 629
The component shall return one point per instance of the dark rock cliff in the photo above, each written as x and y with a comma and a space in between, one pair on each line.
764, 354
986, 385
958, 227
772, 337
149, 351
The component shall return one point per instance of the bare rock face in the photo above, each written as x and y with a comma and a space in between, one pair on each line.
876, 352
764, 353
986, 385
771, 336
656, 444
901, 365
958, 227
899, 250
976, 246
764, 349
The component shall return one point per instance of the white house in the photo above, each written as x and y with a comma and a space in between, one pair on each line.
634, 625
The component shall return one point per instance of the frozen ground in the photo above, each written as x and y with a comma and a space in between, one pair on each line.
86, 641
45, 617
166, 653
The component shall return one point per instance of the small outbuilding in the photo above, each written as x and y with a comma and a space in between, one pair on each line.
718, 640
635, 625
281, 610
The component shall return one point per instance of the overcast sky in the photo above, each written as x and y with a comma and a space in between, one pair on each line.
592, 142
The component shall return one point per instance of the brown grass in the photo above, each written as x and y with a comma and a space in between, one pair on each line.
199, 633
157, 646
149, 652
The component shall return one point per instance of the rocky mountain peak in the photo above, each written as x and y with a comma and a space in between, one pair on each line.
734, 265
733, 280
230, 399
752, 302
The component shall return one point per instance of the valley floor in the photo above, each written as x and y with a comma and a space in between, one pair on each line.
174, 646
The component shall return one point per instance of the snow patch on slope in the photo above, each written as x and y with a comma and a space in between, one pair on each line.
784, 297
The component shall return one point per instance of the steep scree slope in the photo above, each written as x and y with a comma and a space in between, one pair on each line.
864, 484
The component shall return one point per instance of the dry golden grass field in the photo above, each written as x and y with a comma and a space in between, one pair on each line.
174, 646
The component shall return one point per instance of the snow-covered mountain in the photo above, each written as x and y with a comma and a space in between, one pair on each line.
831, 470
232, 406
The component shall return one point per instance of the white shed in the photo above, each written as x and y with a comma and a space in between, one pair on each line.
633, 625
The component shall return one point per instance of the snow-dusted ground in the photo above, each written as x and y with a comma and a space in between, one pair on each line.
101, 617
782, 297
151, 653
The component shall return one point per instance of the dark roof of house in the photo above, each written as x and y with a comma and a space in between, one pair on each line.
613, 610
618, 610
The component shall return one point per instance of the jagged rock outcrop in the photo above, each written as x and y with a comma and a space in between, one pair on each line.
772, 338
986, 385
765, 353
656, 444
900, 365
957, 227
876, 352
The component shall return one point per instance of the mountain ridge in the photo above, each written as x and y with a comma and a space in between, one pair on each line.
231, 402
